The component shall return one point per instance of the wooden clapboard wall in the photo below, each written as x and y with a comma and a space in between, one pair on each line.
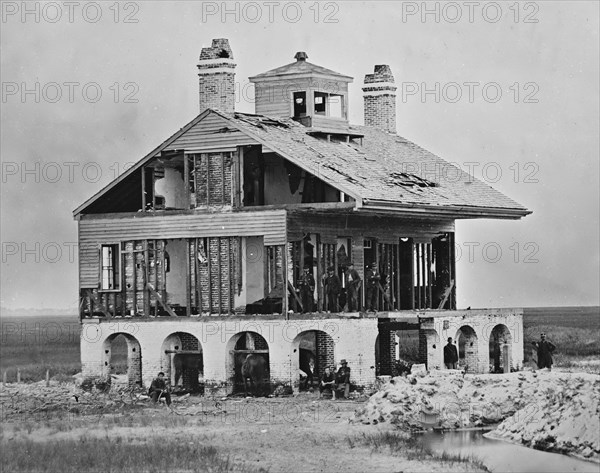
94, 232
212, 133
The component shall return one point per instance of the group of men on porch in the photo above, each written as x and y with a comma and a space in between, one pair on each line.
332, 286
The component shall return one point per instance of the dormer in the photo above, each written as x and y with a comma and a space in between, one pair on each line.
312, 95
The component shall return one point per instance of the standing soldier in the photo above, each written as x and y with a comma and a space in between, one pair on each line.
307, 289
372, 279
544, 352
353, 284
333, 287
450, 355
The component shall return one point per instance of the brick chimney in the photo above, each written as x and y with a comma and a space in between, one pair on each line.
216, 70
380, 99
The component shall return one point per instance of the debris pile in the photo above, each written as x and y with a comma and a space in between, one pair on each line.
550, 411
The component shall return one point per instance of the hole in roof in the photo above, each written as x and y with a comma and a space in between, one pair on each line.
223, 53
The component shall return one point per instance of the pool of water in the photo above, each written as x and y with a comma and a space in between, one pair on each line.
499, 456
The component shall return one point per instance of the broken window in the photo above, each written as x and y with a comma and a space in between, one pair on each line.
110, 267
299, 104
274, 272
422, 267
330, 105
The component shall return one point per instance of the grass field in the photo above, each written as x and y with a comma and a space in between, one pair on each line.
36, 344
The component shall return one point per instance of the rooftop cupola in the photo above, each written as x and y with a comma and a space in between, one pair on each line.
312, 95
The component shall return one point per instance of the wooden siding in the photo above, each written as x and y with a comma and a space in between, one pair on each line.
212, 133
274, 98
384, 229
96, 231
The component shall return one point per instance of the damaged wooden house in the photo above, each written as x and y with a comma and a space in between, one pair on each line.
200, 253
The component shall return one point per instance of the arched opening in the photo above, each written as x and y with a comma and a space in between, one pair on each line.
122, 359
312, 352
468, 356
182, 361
250, 346
500, 349
430, 349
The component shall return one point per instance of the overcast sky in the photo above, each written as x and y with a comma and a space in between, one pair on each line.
518, 96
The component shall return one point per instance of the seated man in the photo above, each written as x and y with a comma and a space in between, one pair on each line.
159, 389
327, 382
342, 378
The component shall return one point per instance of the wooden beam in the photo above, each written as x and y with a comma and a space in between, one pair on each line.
100, 305
143, 172
319, 280
183, 352
284, 264
160, 300
293, 291
209, 268
188, 275
249, 351
146, 279
446, 294
186, 180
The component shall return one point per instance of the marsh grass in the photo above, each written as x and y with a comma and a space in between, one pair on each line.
409, 447
34, 345
116, 455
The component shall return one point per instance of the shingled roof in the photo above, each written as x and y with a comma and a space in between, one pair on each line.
300, 67
385, 172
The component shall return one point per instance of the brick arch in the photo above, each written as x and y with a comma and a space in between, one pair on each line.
237, 348
134, 358
189, 377
468, 350
321, 345
499, 336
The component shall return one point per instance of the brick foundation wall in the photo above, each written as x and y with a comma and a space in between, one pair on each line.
352, 339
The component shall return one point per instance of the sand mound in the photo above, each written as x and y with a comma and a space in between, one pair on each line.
546, 410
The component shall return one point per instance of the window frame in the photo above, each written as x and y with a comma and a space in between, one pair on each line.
116, 267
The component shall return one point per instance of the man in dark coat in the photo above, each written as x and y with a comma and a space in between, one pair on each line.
333, 287
352, 285
342, 378
450, 355
544, 352
372, 279
307, 289
159, 389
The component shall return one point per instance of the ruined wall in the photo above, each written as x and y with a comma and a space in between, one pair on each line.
353, 339
436, 327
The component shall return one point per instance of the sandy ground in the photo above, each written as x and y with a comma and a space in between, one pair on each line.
278, 434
